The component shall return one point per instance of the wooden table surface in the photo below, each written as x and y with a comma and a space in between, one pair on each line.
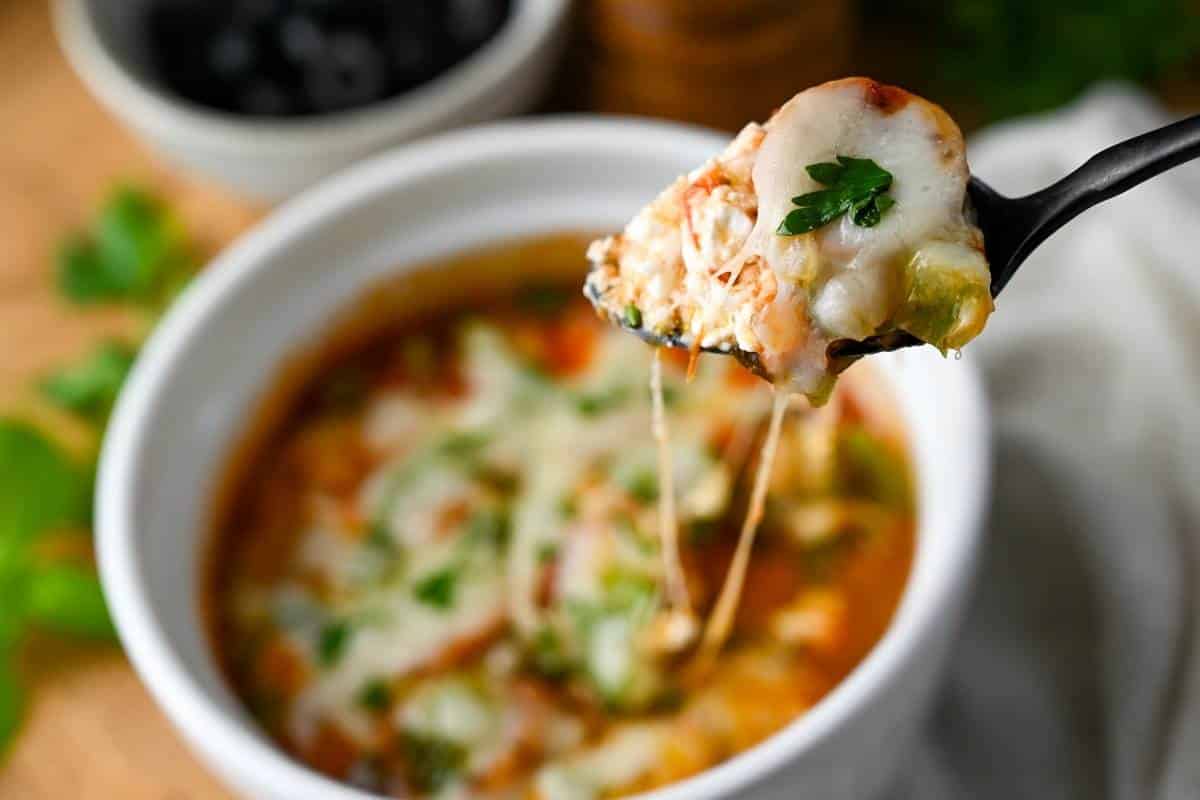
92, 731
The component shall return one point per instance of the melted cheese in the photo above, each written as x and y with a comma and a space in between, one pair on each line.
720, 622
668, 525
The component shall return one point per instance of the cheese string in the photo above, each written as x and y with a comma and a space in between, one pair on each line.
676, 583
720, 622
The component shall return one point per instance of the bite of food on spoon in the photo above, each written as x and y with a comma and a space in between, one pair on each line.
845, 216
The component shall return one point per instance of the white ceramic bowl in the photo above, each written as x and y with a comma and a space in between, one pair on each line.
270, 160
272, 293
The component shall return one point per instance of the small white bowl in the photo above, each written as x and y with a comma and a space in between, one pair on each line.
270, 296
272, 159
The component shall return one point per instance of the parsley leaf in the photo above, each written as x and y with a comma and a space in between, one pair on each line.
438, 587
431, 761
332, 641
12, 700
375, 695
67, 599
640, 481
597, 403
40, 487
543, 300
133, 252
90, 387
857, 186
463, 445
488, 526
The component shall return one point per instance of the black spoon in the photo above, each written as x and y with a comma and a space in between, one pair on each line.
1014, 226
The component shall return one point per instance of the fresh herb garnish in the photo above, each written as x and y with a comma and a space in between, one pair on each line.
488, 526
568, 506
41, 489
379, 537
376, 695
641, 483
633, 316
501, 479
547, 552
90, 387
547, 654
431, 761
134, 252
463, 445
593, 404
332, 641
437, 589
12, 700
856, 186
43, 494
543, 300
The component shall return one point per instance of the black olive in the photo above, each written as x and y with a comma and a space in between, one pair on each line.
259, 12
300, 38
261, 97
348, 73
231, 53
412, 56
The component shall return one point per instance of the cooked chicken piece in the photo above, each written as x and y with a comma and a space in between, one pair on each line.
844, 216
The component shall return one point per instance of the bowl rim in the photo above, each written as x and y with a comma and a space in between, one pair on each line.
530, 24
179, 693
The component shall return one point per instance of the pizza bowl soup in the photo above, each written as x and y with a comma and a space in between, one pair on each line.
415, 540
439, 572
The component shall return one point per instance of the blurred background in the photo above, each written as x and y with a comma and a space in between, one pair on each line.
101, 224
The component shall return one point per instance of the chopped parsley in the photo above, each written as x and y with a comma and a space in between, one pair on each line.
463, 445
379, 537
642, 484
593, 404
134, 252
332, 641
543, 300
431, 761
568, 506
547, 654
857, 186
488, 526
90, 387
547, 552
437, 589
376, 695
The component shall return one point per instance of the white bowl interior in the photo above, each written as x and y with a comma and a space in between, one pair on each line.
267, 298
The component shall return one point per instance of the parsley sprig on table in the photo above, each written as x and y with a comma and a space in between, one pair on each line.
857, 186
132, 254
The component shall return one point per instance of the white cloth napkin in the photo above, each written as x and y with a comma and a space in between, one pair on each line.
1078, 671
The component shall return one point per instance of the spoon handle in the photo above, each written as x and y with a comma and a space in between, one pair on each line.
1103, 176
